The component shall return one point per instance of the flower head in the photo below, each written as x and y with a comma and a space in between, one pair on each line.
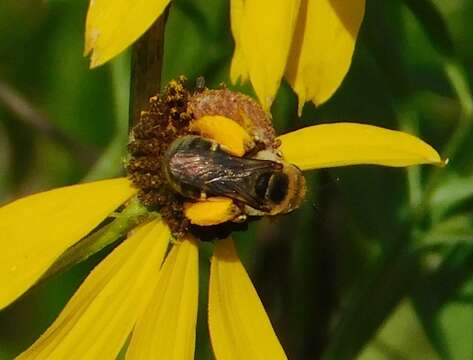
144, 291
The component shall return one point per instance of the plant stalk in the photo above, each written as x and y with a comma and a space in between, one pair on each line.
146, 67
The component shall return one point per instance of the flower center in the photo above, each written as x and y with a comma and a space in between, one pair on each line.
208, 159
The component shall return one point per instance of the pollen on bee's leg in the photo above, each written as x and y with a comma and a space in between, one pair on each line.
213, 211
226, 132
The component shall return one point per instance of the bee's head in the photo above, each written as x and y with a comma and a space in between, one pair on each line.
283, 190
272, 186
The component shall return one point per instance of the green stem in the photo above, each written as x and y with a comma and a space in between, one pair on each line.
132, 215
146, 68
145, 82
409, 122
457, 79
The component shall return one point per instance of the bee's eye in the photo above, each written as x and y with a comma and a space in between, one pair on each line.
278, 187
262, 184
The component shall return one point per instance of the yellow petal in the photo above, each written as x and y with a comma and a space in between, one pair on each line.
166, 330
35, 230
239, 326
99, 317
341, 144
238, 69
323, 46
112, 26
228, 133
266, 35
213, 211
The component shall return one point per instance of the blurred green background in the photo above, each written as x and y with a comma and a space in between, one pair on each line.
378, 262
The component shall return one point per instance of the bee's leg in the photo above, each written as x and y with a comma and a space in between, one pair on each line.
240, 218
203, 195
214, 146
173, 240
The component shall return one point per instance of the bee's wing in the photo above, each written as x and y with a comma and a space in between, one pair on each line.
219, 173
237, 178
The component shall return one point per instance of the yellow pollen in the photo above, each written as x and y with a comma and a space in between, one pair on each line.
213, 211
230, 135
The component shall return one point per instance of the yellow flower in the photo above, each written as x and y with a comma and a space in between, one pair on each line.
309, 42
143, 291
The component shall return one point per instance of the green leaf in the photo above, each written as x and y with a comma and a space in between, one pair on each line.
433, 23
434, 302
452, 192
455, 229
402, 337
455, 321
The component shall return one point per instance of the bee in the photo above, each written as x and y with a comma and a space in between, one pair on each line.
197, 167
